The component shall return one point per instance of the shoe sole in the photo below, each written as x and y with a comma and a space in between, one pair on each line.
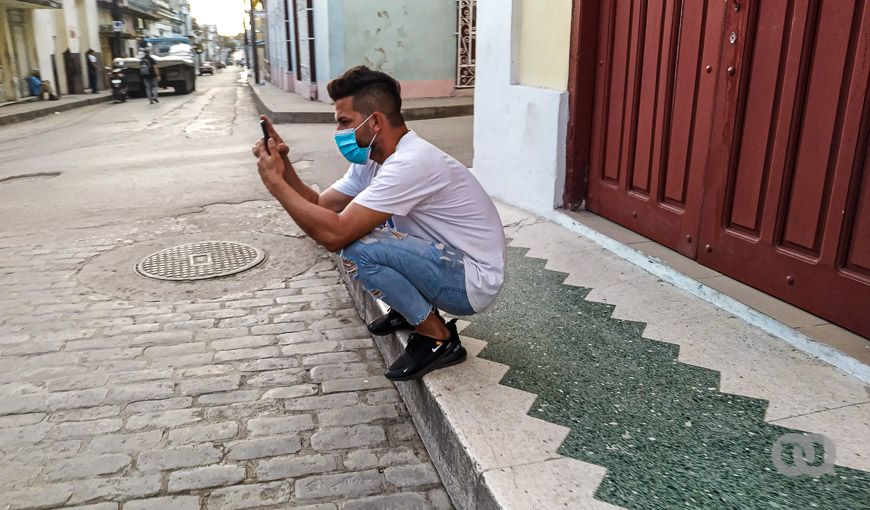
390, 331
448, 360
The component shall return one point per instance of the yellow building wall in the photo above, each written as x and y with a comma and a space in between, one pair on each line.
544, 38
7, 90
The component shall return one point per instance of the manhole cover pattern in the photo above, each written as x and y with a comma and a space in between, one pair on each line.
200, 261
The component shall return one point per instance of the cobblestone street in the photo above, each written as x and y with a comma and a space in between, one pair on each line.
261, 390
248, 400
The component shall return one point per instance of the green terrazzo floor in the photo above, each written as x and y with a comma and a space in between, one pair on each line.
667, 436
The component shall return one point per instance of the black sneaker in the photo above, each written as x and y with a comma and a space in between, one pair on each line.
424, 354
386, 324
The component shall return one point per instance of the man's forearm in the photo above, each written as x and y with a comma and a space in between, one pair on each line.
296, 183
319, 223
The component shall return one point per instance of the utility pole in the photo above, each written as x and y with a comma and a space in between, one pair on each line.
254, 46
117, 51
245, 47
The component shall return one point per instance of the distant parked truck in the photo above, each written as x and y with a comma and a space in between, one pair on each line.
177, 63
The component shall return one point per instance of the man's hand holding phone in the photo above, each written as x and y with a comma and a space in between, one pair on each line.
265, 135
271, 167
269, 133
273, 162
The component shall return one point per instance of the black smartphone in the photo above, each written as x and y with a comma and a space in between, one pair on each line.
265, 136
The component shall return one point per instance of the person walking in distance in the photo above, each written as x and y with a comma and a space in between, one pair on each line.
409, 222
150, 74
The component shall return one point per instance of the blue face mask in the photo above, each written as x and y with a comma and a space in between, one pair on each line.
349, 148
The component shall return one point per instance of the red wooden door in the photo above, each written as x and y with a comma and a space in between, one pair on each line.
652, 117
787, 204
742, 127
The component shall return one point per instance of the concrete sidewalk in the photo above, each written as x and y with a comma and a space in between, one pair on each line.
591, 383
286, 107
27, 110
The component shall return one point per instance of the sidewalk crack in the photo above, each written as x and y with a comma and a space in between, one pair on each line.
530, 463
199, 209
820, 410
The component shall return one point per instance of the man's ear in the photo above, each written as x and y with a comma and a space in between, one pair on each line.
380, 122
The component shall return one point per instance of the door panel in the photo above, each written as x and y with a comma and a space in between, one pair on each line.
742, 127
856, 236
786, 206
653, 104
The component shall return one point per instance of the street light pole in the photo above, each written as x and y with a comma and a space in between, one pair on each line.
117, 52
254, 46
245, 47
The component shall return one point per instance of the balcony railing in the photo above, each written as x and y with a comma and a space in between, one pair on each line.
41, 4
107, 30
141, 8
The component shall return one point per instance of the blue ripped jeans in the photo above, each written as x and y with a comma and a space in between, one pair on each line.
408, 273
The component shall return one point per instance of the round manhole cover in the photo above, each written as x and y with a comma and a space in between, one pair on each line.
200, 261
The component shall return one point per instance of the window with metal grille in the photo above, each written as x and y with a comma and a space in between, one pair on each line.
466, 36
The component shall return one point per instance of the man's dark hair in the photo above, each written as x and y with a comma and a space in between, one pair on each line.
371, 91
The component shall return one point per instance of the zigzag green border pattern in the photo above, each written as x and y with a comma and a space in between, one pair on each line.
668, 437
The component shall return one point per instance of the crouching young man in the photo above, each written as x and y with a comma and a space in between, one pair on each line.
409, 222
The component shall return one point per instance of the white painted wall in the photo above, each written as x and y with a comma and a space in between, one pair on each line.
92, 37
75, 26
44, 33
71, 18
277, 41
520, 132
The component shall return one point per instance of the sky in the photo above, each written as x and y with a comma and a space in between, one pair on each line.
226, 14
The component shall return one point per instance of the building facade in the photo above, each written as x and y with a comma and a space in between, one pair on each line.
138, 17
18, 46
48, 35
169, 22
209, 43
736, 134
53, 36
427, 45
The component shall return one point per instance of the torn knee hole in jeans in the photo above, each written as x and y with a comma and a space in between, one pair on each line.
376, 293
350, 267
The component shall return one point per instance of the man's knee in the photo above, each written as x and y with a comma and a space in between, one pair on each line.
364, 247
356, 254
367, 254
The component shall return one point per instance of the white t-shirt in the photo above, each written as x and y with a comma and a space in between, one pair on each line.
433, 196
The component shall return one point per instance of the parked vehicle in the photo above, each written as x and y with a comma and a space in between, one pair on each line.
206, 68
117, 80
176, 61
